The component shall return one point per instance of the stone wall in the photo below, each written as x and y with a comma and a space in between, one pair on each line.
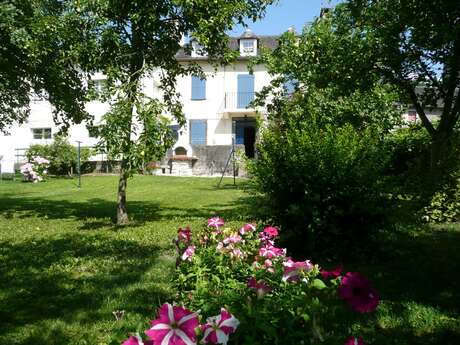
208, 160
211, 160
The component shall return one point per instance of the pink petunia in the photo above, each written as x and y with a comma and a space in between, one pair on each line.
184, 235
232, 239
270, 251
357, 291
292, 269
271, 231
174, 326
247, 228
355, 341
260, 287
218, 328
188, 253
336, 272
137, 340
237, 253
215, 222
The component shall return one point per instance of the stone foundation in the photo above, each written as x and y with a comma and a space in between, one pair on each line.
206, 161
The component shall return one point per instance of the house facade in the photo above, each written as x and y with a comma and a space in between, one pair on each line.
217, 111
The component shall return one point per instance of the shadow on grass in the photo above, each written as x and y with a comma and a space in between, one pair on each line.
71, 279
93, 213
139, 211
416, 274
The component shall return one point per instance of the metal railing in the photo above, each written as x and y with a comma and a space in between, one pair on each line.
238, 100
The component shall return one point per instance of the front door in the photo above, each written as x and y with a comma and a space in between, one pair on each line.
245, 134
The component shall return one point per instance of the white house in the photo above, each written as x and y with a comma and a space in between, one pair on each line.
216, 110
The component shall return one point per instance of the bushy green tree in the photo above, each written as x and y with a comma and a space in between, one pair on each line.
41, 54
322, 152
136, 38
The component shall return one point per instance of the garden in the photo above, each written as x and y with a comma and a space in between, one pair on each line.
347, 230
71, 276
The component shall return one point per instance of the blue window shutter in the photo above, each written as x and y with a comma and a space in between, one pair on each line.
245, 90
290, 86
198, 132
198, 88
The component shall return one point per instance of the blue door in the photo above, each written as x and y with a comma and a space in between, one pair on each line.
245, 90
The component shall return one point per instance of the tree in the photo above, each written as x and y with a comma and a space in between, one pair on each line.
321, 154
39, 43
414, 45
137, 38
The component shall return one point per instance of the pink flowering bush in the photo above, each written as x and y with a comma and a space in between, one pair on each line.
274, 297
36, 170
238, 287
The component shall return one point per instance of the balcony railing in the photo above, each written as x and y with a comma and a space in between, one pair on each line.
238, 100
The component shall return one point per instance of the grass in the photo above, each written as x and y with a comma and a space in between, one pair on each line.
65, 268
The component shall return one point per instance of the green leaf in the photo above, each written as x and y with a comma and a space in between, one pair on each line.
318, 284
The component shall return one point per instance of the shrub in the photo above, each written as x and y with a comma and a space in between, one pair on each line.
36, 170
61, 155
262, 296
321, 183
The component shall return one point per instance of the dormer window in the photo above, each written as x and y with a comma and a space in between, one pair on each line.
197, 50
248, 44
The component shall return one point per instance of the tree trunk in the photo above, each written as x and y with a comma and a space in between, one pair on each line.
122, 212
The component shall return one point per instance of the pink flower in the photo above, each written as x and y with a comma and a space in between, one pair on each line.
356, 290
175, 326
355, 341
268, 264
247, 228
270, 251
218, 328
260, 287
237, 253
292, 269
233, 239
270, 232
184, 234
136, 340
188, 253
220, 246
215, 222
332, 274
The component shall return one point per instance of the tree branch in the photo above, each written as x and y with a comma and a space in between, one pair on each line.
420, 110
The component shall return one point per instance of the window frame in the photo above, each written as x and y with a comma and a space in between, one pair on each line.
43, 131
191, 122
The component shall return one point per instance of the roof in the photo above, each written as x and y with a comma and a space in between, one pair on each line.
268, 42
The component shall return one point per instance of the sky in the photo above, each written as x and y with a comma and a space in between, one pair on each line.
285, 14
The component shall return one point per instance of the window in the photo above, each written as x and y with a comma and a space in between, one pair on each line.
198, 132
175, 132
248, 46
198, 88
41, 133
197, 50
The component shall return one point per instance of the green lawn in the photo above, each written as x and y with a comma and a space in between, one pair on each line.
64, 267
